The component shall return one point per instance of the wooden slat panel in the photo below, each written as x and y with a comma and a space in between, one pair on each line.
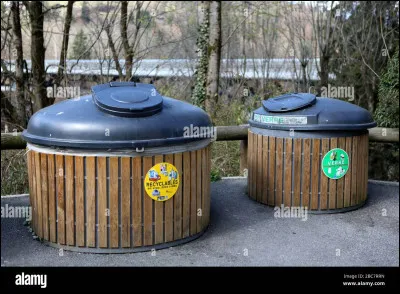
264, 197
333, 182
33, 191
45, 195
159, 213
199, 200
366, 156
125, 202
147, 206
271, 171
69, 200
279, 171
39, 231
254, 167
114, 209
354, 171
169, 210
90, 202
30, 172
60, 199
250, 152
361, 169
259, 177
324, 178
347, 177
306, 175
137, 198
178, 199
186, 194
79, 202
316, 172
297, 171
193, 198
340, 182
208, 202
288, 172
204, 183
52, 197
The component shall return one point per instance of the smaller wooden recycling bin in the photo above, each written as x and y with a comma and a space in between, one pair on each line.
117, 171
308, 152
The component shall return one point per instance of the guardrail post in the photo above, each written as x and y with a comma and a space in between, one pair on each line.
243, 157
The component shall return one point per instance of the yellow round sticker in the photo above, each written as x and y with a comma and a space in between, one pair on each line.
162, 181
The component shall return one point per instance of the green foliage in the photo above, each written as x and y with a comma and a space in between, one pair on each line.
79, 47
199, 92
14, 174
387, 112
215, 175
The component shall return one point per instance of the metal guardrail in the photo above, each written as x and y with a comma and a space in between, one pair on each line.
224, 133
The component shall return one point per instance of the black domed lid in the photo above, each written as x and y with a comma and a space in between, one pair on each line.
303, 111
123, 115
127, 99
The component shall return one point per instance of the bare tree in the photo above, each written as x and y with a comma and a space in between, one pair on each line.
19, 101
214, 49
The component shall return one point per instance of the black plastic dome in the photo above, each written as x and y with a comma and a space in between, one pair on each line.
116, 115
304, 111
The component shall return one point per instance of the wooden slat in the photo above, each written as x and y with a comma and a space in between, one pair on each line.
208, 191
297, 171
199, 200
90, 202
361, 169
147, 206
125, 202
45, 195
347, 177
333, 182
264, 197
259, 177
366, 157
159, 213
169, 210
60, 199
271, 171
69, 200
288, 172
186, 194
178, 199
30, 172
193, 197
102, 201
354, 171
52, 198
254, 167
39, 231
205, 183
279, 171
316, 171
324, 178
79, 202
114, 209
250, 152
33, 192
305, 201
340, 182
137, 201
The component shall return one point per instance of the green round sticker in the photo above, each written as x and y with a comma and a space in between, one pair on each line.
335, 163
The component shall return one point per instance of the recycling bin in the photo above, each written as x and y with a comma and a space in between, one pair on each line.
308, 152
118, 171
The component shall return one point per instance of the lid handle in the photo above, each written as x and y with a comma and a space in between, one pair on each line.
122, 84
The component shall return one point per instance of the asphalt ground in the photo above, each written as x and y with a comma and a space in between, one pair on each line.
242, 232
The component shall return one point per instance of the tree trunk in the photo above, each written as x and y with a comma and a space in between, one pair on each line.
324, 72
113, 51
35, 9
64, 46
214, 60
125, 42
19, 100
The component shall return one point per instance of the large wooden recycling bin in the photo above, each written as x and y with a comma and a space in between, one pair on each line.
308, 152
115, 171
